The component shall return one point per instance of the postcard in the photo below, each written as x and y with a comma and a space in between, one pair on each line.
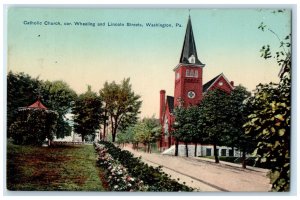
148, 100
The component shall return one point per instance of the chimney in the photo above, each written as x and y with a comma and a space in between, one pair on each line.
162, 105
232, 83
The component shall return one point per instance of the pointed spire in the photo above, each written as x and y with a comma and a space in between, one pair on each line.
189, 52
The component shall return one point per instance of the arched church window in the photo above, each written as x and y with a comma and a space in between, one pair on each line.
177, 75
166, 127
196, 73
192, 73
187, 73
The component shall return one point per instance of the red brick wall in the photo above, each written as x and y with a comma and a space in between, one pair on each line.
185, 84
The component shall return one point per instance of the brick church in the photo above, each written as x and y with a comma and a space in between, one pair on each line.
188, 89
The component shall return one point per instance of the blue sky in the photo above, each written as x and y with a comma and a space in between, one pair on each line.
227, 41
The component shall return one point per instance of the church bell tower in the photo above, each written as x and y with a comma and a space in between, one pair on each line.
188, 73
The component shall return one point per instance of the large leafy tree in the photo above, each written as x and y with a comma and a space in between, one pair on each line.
214, 119
33, 126
121, 105
58, 96
185, 127
270, 118
269, 122
22, 90
87, 113
178, 130
237, 116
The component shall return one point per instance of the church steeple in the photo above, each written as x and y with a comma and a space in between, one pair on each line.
189, 52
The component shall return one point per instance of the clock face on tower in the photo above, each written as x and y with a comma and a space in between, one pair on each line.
191, 94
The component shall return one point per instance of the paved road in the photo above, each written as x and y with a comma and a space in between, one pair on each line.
205, 175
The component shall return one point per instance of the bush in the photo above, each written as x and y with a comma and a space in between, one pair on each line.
33, 126
153, 177
116, 175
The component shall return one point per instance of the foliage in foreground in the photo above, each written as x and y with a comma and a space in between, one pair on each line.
270, 121
116, 175
270, 124
153, 179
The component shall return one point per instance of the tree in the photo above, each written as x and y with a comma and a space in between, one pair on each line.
270, 124
153, 131
126, 136
87, 113
22, 90
178, 126
214, 118
58, 96
33, 126
270, 118
121, 103
237, 115
185, 128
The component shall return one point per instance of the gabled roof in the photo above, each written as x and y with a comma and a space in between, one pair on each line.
170, 101
210, 83
38, 105
189, 46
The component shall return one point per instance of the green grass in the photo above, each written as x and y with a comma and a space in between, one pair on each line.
61, 168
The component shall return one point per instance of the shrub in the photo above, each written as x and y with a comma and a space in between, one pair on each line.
153, 177
116, 175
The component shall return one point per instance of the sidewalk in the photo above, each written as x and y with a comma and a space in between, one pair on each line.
205, 175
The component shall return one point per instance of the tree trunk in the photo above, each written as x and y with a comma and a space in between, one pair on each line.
82, 138
176, 147
113, 130
149, 145
113, 137
169, 141
104, 131
195, 149
244, 159
186, 149
216, 154
160, 144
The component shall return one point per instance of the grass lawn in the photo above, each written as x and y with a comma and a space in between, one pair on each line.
61, 168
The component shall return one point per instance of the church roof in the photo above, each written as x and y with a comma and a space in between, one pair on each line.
38, 104
209, 83
170, 101
189, 46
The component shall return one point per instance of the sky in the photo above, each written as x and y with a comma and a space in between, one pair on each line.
227, 40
